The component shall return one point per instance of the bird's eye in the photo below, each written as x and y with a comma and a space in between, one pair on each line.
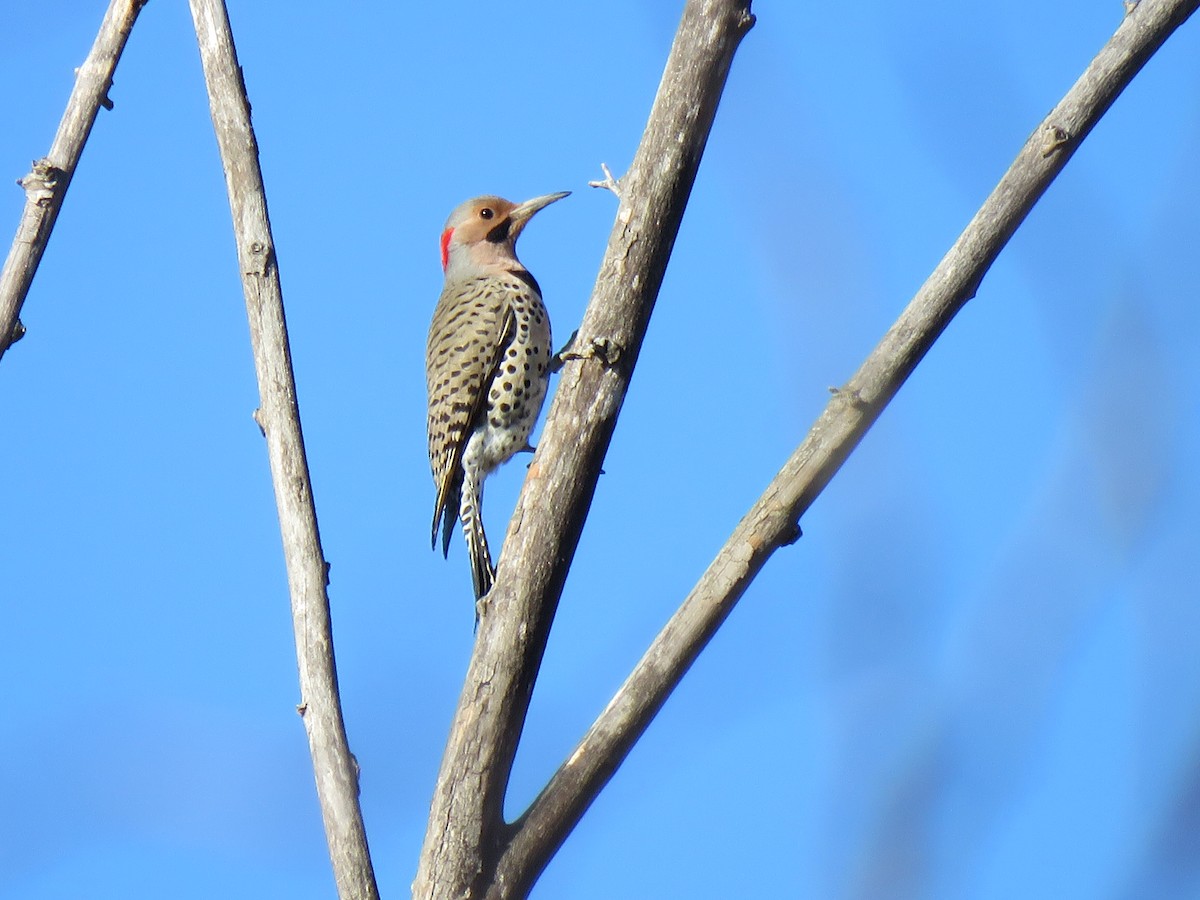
486, 213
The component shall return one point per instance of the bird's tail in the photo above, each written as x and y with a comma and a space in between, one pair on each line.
443, 523
445, 510
483, 573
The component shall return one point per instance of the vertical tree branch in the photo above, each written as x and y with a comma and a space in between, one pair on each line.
46, 185
466, 832
772, 521
279, 418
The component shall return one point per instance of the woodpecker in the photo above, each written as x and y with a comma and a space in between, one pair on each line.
487, 362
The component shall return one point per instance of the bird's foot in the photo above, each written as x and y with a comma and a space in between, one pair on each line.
606, 350
559, 358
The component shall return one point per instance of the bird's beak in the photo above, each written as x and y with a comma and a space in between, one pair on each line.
522, 213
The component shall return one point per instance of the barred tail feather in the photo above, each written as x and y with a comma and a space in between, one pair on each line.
470, 511
482, 572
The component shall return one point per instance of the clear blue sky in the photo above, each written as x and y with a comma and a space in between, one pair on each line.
976, 676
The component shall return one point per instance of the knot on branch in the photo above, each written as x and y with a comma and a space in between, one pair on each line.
791, 534
852, 396
260, 258
42, 181
1053, 137
105, 99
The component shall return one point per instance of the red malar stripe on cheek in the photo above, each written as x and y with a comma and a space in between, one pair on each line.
446, 235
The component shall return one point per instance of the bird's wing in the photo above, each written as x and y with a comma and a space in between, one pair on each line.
466, 344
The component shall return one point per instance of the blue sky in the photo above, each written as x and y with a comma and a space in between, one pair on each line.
976, 676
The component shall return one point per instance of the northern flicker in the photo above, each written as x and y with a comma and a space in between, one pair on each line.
487, 362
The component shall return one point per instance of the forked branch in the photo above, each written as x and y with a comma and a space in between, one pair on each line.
562, 477
773, 520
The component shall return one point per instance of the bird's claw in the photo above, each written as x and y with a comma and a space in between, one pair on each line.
608, 351
559, 359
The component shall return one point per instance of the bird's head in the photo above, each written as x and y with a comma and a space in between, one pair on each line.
484, 231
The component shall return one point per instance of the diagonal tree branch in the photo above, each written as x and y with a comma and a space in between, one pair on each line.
279, 418
772, 521
46, 185
466, 832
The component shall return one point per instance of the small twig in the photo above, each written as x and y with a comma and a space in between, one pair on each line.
46, 185
608, 182
279, 418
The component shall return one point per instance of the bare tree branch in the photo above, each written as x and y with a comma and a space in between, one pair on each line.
562, 477
772, 521
279, 417
466, 833
46, 185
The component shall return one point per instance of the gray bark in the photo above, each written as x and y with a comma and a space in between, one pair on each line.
279, 418
46, 184
469, 849
467, 835
773, 520
466, 831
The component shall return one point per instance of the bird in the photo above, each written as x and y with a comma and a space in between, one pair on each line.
487, 364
